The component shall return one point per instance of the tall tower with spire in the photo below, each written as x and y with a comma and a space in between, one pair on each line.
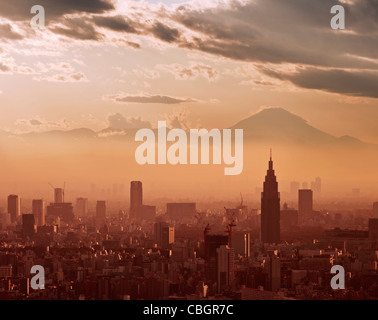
270, 207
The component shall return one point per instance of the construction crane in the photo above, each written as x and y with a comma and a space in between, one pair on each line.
55, 190
229, 231
205, 233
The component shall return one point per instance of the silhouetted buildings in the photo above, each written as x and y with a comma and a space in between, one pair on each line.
136, 200
28, 225
81, 208
241, 243
375, 210
212, 243
181, 210
39, 211
14, 207
225, 267
63, 210
164, 235
305, 204
270, 208
100, 212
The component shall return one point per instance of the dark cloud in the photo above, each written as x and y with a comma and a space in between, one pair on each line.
20, 9
79, 29
353, 83
285, 31
116, 23
149, 99
164, 32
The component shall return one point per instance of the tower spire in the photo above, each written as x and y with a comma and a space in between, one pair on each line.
270, 154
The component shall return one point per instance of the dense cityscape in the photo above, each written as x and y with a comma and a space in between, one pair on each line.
274, 252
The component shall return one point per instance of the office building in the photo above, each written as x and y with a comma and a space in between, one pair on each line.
100, 213
14, 207
136, 200
241, 242
305, 201
39, 211
270, 208
28, 225
81, 208
225, 267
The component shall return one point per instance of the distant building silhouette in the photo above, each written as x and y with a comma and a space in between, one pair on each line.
164, 235
81, 208
181, 210
270, 208
225, 267
136, 200
305, 203
28, 225
14, 207
100, 212
39, 211
375, 210
212, 243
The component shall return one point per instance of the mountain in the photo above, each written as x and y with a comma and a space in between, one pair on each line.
272, 126
277, 125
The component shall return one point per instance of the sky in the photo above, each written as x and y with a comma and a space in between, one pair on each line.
192, 61
126, 64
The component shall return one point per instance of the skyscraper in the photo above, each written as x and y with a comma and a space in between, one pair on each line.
81, 208
225, 267
270, 208
14, 207
136, 200
28, 225
304, 203
100, 212
375, 210
38, 210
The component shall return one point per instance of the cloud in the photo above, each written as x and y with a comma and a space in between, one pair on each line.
116, 23
20, 9
148, 98
165, 33
39, 124
63, 77
182, 72
7, 32
353, 83
79, 29
118, 121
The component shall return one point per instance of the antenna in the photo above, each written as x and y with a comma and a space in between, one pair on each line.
270, 154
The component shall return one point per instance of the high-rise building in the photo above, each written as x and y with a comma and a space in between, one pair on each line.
212, 243
81, 208
58, 195
373, 229
305, 201
164, 235
39, 211
14, 207
316, 185
136, 200
375, 210
274, 273
225, 267
28, 225
100, 212
270, 208
241, 242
